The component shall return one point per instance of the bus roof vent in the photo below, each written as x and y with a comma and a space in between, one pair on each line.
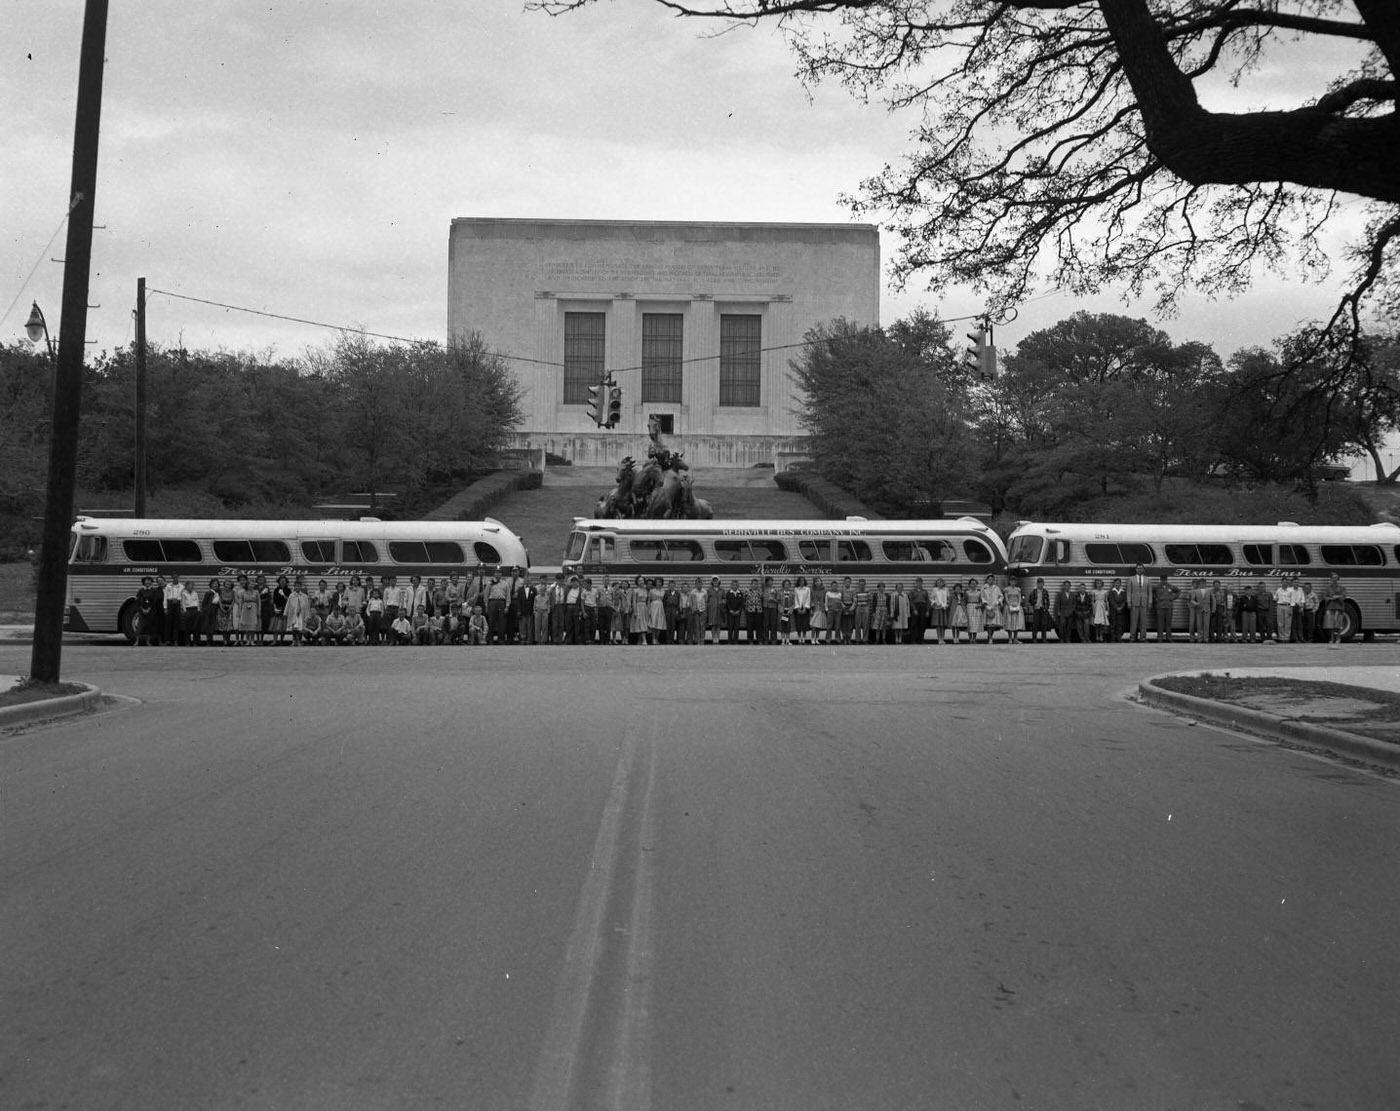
1385, 524
371, 519
853, 517
1288, 524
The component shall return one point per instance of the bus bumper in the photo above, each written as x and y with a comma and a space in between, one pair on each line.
73, 622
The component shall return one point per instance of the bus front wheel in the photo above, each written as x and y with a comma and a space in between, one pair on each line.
126, 622
1351, 621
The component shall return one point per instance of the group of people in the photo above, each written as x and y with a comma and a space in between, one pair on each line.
525, 609
1216, 610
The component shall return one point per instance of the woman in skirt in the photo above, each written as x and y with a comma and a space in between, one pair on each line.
976, 612
817, 621
957, 612
247, 620
938, 610
801, 609
209, 612
1015, 613
992, 600
637, 608
226, 611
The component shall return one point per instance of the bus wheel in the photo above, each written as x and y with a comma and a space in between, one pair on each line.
126, 622
1351, 621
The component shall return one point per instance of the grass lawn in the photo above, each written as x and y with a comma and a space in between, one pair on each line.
16, 593
1375, 713
25, 691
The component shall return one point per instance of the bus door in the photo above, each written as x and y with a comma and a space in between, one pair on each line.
602, 553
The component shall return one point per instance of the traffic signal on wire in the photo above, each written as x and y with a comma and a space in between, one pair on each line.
596, 396
980, 359
614, 414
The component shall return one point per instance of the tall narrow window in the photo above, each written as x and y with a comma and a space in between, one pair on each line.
661, 356
740, 342
584, 333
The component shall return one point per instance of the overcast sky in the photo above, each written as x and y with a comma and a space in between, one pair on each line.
308, 158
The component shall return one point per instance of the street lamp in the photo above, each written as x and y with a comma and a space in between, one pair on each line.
37, 328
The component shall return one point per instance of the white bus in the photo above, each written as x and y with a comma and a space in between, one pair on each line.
110, 555
1366, 557
857, 547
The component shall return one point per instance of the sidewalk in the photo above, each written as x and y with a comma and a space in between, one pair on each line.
1348, 711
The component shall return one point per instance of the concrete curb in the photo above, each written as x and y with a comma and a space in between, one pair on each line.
1272, 726
26, 713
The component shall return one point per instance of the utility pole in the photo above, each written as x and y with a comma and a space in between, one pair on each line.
139, 509
68, 379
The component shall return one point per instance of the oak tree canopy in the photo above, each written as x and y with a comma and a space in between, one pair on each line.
1084, 143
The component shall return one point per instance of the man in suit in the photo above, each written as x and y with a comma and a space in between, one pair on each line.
1064, 612
1139, 597
1083, 612
1164, 596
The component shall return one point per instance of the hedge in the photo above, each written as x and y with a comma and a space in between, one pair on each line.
476, 501
835, 502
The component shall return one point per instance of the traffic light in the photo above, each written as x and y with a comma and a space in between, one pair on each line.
595, 401
980, 359
614, 415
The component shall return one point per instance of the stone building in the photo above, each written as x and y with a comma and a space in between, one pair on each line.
696, 322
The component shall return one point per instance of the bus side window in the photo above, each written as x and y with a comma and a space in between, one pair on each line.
1059, 551
91, 549
603, 550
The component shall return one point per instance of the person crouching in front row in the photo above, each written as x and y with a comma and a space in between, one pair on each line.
478, 631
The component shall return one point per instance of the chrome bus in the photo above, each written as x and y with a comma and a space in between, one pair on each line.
957, 548
1366, 557
110, 555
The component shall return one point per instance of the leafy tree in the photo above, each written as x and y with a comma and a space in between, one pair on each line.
26, 379
1073, 137
885, 423
1099, 401
1309, 400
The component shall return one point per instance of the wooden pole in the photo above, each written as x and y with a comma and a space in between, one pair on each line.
140, 460
51, 601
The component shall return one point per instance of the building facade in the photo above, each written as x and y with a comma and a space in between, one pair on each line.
696, 322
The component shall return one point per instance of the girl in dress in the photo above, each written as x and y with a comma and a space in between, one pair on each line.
1015, 613
656, 613
879, 614
224, 621
992, 600
957, 613
247, 618
1099, 618
817, 620
786, 604
976, 612
899, 615
637, 608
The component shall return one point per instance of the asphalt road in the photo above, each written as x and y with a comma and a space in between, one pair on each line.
738, 878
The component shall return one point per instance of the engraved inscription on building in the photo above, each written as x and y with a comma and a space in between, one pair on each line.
635, 271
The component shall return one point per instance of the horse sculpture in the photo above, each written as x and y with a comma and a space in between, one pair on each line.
657, 489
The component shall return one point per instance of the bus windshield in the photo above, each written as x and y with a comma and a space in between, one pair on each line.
1026, 549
